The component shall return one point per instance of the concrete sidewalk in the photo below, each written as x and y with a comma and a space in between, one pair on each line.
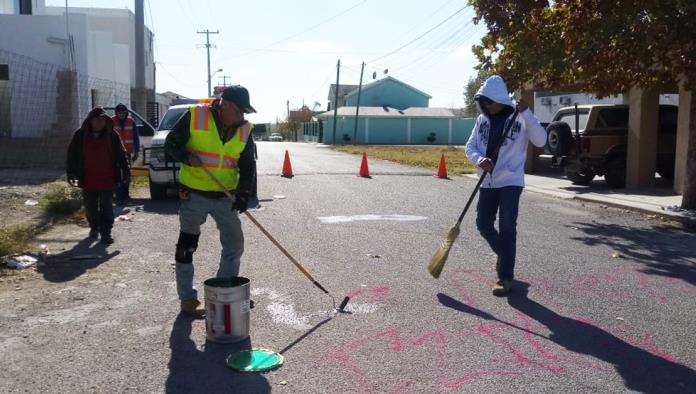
659, 200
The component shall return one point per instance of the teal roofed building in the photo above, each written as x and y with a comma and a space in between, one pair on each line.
391, 113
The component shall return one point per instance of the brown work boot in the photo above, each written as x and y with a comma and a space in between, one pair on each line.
192, 308
502, 287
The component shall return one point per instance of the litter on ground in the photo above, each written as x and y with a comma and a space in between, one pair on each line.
20, 262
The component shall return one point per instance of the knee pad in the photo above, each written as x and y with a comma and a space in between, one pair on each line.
185, 247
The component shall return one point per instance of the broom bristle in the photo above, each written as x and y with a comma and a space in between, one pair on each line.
437, 262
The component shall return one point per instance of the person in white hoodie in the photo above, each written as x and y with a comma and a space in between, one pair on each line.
500, 191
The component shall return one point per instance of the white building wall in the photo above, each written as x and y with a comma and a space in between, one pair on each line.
35, 61
121, 24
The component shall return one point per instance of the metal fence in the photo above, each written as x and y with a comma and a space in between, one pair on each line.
41, 104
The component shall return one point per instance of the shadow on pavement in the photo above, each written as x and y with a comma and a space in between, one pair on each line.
192, 370
85, 255
162, 207
641, 370
305, 335
663, 250
457, 305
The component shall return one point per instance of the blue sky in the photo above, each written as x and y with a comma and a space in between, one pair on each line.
287, 50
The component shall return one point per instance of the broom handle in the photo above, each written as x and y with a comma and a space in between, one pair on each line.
266, 233
471, 198
483, 176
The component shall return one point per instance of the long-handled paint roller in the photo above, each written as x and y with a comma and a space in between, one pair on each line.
341, 307
437, 262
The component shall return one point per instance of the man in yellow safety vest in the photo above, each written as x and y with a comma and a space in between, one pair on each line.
217, 137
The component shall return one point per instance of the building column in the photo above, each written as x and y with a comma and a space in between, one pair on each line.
532, 152
686, 98
449, 132
408, 131
367, 131
642, 137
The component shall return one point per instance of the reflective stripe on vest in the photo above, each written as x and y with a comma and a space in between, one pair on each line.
126, 133
200, 118
221, 159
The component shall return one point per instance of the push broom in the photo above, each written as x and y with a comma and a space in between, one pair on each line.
437, 262
278, 245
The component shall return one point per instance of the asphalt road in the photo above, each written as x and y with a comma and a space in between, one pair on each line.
604, 303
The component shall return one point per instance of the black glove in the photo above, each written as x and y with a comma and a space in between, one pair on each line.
241, 200
73, 181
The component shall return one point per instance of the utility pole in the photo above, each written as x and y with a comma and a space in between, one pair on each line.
224, 80
207, 47
338, 73
357, 108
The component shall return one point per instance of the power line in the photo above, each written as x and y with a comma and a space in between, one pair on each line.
432, 43
429, 57
421, 36
152, 24
325, 21
161, 67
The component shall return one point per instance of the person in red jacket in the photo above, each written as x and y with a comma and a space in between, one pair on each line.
125, 127
97, 163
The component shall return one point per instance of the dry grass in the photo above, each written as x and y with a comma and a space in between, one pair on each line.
59, 202
15, 239
457, 163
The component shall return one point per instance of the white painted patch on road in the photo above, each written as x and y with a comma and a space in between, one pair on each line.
361, 309
285, 314
361, 218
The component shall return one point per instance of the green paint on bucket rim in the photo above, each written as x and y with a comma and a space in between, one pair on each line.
232, 281
255, 360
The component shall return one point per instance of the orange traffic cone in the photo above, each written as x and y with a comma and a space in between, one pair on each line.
442, 168
364, 169
287, 167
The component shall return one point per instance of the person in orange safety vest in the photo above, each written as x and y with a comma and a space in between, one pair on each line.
126, 129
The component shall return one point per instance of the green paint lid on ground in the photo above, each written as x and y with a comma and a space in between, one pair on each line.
255, 360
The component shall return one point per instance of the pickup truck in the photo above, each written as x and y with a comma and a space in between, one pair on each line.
164, 171
596, 142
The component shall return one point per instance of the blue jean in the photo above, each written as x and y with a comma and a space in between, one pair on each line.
192, 214
504, 201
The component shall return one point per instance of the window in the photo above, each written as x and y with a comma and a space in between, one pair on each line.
569, 117
613, 118
171, 117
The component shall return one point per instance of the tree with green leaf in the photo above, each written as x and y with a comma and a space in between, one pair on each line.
602, 47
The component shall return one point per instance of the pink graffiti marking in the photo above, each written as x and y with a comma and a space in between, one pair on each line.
438, 338
343, 357
403, 388
542, 348
520, 358
456, 279
455, 383
377, 294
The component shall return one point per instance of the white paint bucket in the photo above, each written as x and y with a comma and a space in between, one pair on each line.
227, 309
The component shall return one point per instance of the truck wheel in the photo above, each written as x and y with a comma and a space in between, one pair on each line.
560, 138
157, 191
615, 173
580, 178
